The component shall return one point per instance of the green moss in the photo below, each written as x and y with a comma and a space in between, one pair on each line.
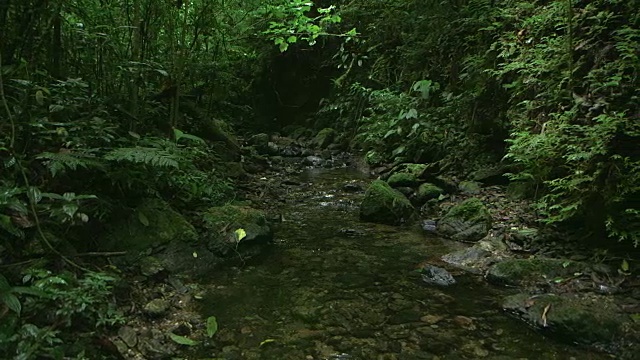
428, 191
382, 204
231, 215
471, 210
524, 271
402, 179
153, 223
573, 319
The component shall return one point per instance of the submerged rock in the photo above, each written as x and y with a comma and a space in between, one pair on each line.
434, 275
428, 226
382, 204
469, 221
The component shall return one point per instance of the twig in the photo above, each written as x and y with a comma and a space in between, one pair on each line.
97, 253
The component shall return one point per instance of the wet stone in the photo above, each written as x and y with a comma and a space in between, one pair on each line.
434, 275
128, 335
156, 307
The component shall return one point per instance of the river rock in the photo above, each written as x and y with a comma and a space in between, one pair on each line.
232, 229
156, 307
428, 226
324, 138
260, 142
428, 191
469, 187
517, 272
479, 257
313, 161
584, 319
468, 222
382, 204
402, 179
434, 275
491, 175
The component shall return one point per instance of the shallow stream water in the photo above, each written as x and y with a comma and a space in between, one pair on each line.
332, 287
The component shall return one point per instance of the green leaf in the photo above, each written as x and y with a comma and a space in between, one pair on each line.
12, 302
143, 218
624, 266
267, 341
292, 39
34, 194
182, 340
240, 234
212, 326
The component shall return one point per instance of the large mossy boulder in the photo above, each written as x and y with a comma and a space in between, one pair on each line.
584, 319
402, 179
151, 224
385, 205
236, 229
517, 272
324, 138
468, 221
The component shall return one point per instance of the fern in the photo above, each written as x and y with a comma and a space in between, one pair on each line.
144, 155
61, 162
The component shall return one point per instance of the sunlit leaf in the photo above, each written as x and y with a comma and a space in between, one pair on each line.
240, 234
182, 340
267, 341
212, 326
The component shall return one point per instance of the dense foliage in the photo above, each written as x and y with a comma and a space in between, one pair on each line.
550, 86
106, 103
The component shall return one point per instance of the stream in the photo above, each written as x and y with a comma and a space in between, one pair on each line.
332, 287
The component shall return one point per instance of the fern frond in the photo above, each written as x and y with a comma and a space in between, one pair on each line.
144, 155
61, 162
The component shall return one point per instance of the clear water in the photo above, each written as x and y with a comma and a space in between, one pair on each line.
335, 288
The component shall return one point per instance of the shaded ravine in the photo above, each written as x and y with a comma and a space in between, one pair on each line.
336, 288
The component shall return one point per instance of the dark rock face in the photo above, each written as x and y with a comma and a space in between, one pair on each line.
434, 275
324, 138
384, 205
468, 222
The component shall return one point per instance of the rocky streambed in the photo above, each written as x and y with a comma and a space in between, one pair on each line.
410, 266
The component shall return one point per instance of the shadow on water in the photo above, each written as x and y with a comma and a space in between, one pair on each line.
335, 288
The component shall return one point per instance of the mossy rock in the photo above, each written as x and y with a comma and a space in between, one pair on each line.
382, 204
233, 227
428, 191
152, 223
469, 187
324, 138
468, 221
517, 272
402, 180
588, 320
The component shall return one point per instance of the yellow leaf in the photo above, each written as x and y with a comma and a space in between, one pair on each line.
625, 265
267, 341
240, 234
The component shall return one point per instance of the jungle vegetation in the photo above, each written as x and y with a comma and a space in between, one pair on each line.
106, 102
